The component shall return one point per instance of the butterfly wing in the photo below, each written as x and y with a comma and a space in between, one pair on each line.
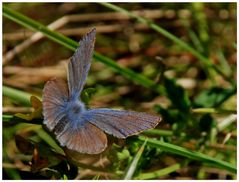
84, 138
55, 97
76, 134
79, 64
120, 123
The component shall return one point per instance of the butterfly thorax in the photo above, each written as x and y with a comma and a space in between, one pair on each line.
75, 109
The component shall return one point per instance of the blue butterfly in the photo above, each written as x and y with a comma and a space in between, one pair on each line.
80, 129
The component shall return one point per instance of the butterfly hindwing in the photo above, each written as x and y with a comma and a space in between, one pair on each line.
79, 64
121, 123
83, 137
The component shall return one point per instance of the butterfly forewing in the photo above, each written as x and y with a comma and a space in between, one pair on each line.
55, 97
79, 64
121, 123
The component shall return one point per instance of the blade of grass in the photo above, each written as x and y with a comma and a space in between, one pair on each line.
49, 140
208, 66
34, 25
224, 63
6, 118
195, 40
158, 132
72, 45
131, 75
158, 173
201, 19
13, 119
17, 95
213, 110
133, 165
189, 154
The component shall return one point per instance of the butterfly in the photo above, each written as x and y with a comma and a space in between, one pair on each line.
80, 129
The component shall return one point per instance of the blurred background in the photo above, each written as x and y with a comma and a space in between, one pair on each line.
185, 81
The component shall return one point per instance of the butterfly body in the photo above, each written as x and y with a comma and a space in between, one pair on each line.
75, 110
80, 129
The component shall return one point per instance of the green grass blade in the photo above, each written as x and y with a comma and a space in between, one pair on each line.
34, 25
213, 110
138, 78
17, 95
189, 154
49, 140
133, 165
158, 173
158, 132
14, 119
208, 66
72, 45
7, 118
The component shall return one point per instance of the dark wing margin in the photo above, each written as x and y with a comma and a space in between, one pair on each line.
79, 64
55, 96
120, 123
